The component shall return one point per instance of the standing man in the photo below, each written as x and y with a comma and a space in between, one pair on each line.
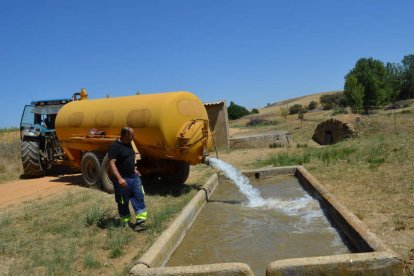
126, 180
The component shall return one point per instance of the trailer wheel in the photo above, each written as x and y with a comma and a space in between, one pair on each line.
31, 159
178, 175
107, 184
91, 168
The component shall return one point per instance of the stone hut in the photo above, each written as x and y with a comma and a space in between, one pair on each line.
333, 131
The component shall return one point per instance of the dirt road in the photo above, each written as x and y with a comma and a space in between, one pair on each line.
16, 192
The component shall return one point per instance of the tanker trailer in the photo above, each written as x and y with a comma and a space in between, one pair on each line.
171, 132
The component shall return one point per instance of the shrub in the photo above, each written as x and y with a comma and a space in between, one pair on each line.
339, 110
284, 112
257, 121
235, 111
333, 100
295, 109
254, 111
312, 105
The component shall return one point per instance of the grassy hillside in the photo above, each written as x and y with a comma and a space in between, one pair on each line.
371, 174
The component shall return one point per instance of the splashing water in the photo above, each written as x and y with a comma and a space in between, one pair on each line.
305, 207
241, 181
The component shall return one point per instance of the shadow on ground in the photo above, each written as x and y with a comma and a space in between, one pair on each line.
158, 187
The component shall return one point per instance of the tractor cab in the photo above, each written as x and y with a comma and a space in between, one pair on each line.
39, 117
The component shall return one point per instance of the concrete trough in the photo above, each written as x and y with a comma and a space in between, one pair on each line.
370, 255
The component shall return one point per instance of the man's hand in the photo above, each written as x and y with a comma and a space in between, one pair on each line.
122, 182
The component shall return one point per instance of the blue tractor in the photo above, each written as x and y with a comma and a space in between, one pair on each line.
40, 148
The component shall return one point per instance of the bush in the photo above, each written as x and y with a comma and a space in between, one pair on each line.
235, 111
312, 105
339, 110
257, 121
333, 100
254, 111
295, 109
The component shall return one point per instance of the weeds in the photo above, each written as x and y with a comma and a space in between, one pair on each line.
159, 219
90, 262
96, 215
10, 162
276, 145
117, 239
298, 145
286, 159
259, 122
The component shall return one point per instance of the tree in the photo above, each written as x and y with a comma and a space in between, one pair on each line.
301, 115
312, 105
254, 111
394, 77
372, 75
354, 93
407, 86
294, 109
331, 101
284, 112
235, 111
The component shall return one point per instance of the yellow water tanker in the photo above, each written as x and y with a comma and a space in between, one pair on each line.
171, 133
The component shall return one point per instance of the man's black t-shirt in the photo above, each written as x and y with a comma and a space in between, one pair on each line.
125, 158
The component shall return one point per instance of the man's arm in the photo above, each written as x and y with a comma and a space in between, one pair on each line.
115, 172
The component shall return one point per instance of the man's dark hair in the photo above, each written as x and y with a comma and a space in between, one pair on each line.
125, 131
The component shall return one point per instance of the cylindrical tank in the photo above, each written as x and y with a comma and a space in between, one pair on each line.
171, 125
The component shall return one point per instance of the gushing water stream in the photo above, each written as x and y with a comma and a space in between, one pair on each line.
241, 181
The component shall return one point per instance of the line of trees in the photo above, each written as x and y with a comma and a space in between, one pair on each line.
236, 111
372, 83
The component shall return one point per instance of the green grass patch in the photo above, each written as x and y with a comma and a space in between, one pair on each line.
117, 239
90, 262
305, 155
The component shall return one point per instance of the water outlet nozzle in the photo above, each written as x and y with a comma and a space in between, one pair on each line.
206, 160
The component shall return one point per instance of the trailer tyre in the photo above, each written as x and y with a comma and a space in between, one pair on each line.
91, 168
107, 184
31, 159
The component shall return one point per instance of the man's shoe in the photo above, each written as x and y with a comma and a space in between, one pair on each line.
140, 225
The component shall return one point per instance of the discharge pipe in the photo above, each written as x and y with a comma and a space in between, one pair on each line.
206, 160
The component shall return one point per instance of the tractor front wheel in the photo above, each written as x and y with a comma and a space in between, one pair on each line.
31, 160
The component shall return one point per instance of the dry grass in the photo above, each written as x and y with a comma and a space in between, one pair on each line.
10, 160
305, 100
78, 233
372, 175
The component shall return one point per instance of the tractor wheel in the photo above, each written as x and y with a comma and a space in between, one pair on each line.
107, 184
91, 168
32, 165
178, 175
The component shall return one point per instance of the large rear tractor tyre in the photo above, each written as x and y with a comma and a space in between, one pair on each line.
91, 169
178, 174
107, 184
31, 160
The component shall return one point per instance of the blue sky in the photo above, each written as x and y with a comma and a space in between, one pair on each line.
249, 52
